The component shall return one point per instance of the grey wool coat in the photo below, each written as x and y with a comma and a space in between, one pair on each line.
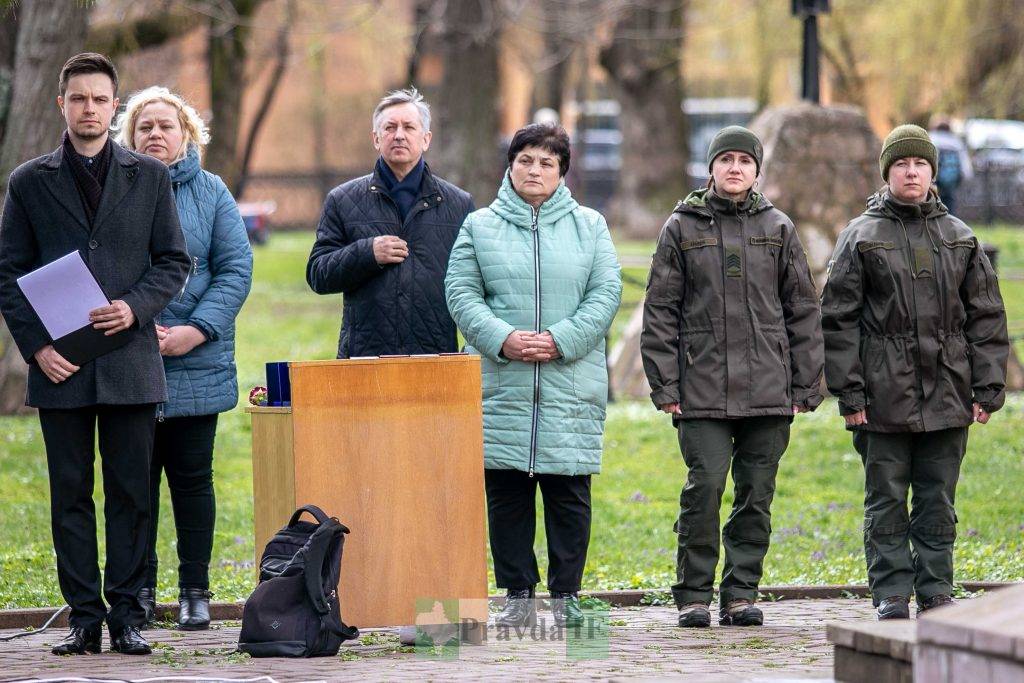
135, 249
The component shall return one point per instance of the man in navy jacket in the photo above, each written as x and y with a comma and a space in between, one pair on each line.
384, 239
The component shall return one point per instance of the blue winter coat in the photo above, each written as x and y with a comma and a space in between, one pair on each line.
204, 381
513, 268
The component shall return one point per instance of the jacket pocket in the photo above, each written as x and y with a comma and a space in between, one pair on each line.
890, 378
770, 372
956, 374
765, 261
702, 375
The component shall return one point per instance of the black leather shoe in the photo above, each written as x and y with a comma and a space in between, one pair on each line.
194, 609
740, 612
129, 641
894, 607
565, 608
520, 608
933, 602
147, 598
79, 641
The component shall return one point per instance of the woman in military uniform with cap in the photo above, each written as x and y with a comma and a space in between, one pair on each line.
732, 349
915, 349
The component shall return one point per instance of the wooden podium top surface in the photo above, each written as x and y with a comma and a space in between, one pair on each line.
387, 360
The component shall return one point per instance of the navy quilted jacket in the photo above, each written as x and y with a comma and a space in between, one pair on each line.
396, 308
204, 381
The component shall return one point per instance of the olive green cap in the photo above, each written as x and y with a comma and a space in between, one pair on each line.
736, 139
905, 141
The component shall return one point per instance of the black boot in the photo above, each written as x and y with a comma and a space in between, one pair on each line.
894, 607
694, 615
147, 598
740, 612
565, 608
520, 608
129, 641
79, 641
194, 612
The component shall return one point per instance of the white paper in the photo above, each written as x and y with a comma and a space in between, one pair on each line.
62, 293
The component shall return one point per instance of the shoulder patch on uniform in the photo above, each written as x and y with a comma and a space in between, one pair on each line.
766, 239
868, 246
966, 242
696, 244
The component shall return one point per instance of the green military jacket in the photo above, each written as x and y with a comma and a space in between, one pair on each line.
915, 329
731, 321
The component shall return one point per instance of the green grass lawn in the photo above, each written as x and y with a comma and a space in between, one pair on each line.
817, 507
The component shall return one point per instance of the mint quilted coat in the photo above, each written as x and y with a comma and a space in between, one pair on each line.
513, 268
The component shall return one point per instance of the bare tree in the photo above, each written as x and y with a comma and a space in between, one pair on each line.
228, 50
643, 61
467, 103
48, 33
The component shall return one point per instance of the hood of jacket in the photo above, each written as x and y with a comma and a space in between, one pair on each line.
514, 209
883, 205
704, 202
184, 170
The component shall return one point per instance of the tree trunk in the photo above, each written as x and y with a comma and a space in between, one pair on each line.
227, 52
643, 65
467, 145
48, 33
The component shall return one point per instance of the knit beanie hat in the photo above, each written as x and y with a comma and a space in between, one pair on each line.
735, 139
905, 141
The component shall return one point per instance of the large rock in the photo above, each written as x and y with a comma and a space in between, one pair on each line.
820, 166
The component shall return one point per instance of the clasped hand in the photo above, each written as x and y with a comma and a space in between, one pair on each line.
530, 347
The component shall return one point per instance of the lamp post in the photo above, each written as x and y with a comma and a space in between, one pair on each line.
808, 11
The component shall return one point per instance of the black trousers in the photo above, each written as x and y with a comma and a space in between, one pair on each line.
512, 523
183, 448
125, 445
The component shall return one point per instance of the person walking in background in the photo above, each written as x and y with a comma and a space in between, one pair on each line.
384, 240
915, 349
534, 283
954, 164
197, 341
732, 349
116, 208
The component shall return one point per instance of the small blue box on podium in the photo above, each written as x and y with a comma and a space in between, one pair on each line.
279, 389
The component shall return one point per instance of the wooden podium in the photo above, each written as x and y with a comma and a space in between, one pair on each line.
392, 447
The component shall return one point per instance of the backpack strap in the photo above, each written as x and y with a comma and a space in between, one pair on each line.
313, 510
315, 552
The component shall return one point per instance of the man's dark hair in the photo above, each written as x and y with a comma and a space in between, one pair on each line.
548, 136
87, 63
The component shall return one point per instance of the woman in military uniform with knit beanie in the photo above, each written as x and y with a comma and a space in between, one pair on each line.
732, 349
915, 349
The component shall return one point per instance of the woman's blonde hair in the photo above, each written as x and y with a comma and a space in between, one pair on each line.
192, 126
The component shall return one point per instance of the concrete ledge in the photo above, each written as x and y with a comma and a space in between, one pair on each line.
35, 617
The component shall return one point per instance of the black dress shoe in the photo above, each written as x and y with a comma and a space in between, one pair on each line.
566, 609
934, 602
129, 641
79, 641
147, 598
894, 607
194, 609
520, 609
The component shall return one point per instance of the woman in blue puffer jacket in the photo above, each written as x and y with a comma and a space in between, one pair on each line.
197, 340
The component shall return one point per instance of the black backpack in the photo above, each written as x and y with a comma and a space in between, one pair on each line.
294, 611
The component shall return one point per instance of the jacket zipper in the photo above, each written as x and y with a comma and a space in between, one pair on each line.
188, 276
536, 327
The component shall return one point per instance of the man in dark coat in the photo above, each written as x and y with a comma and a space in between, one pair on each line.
116, 208
384, 240
915, 349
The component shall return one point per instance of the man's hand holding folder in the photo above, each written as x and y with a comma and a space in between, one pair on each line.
113, 318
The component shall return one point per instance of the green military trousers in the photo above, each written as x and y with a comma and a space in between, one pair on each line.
908, 553
752, 446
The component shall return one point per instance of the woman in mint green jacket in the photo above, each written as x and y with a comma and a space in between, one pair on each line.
533, 283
